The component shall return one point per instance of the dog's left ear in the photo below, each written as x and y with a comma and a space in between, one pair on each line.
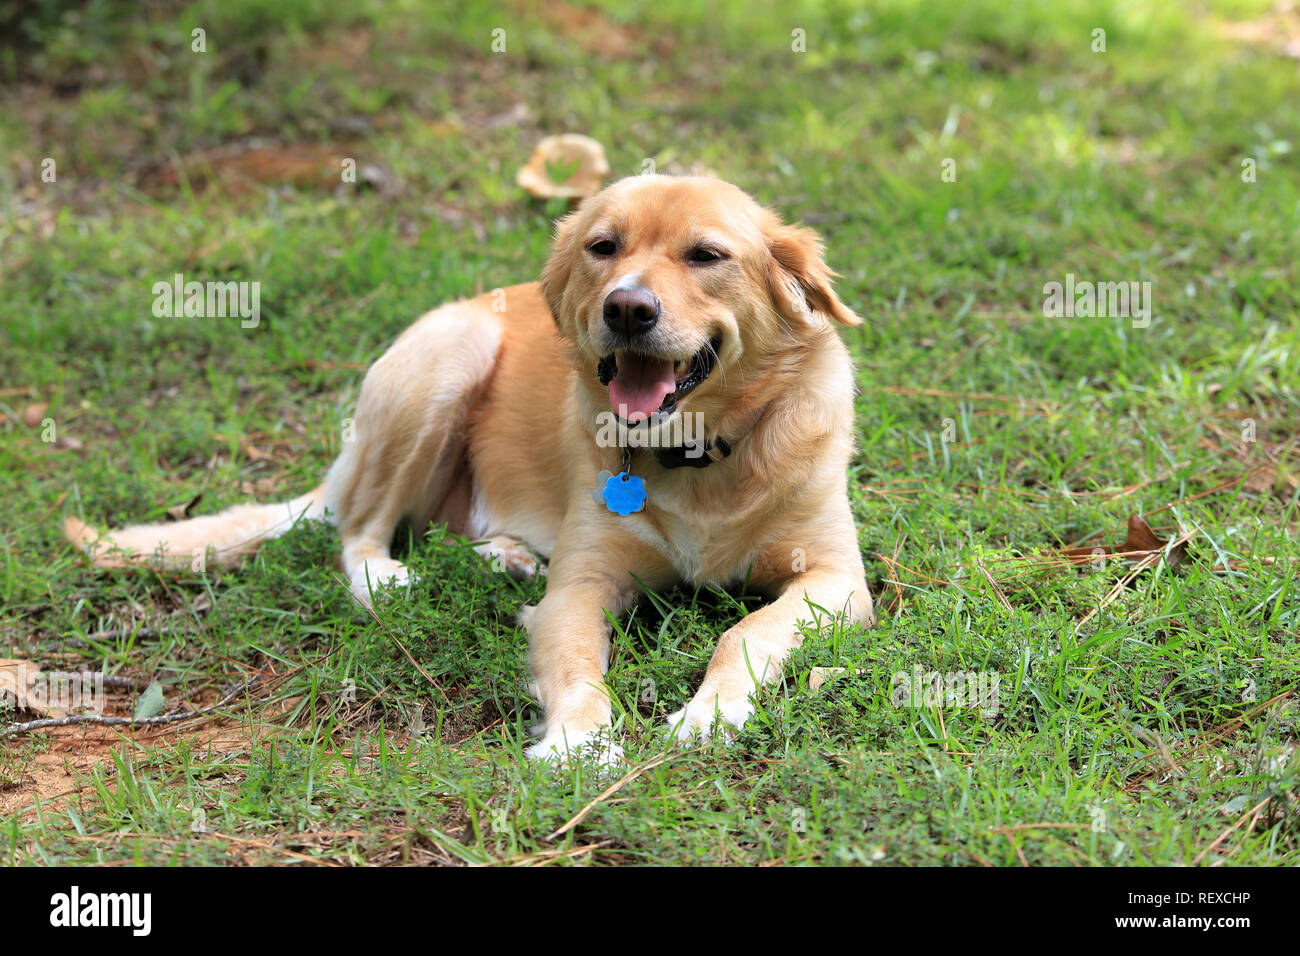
800, 280
555, 274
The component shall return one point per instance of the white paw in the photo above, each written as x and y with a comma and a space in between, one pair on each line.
508, 556
376, 575
593, 747
696, 720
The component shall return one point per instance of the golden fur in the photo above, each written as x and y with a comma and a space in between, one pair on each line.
482, 417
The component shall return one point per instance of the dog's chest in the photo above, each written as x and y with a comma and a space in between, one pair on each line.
702, 548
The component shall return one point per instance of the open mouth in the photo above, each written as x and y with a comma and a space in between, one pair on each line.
642, 385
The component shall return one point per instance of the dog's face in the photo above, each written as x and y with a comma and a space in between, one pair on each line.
675, 291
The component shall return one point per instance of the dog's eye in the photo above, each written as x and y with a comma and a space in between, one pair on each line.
702, 255
603, 248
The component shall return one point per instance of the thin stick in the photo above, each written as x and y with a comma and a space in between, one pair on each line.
609, 792
1002, 598
1228, 832
546, 857
1215, 735
116, 633
1151, 558
387, 630
124, 721
274, 849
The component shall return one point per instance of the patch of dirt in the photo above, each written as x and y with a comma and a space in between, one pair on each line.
238, 169
64, 768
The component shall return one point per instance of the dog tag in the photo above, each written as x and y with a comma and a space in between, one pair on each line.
624, 494
599, 493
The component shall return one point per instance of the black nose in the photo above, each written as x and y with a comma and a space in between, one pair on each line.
631, 312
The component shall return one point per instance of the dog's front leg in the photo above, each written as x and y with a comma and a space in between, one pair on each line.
568, 645
753, 651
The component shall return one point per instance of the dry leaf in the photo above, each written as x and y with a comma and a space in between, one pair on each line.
34, 414
1142, 538
31, 416
1139, 542
253, 453
1086, 555
820, 675
570, 166
1272, 479
181, 512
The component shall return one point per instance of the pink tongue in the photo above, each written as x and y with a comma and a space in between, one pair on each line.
641, 385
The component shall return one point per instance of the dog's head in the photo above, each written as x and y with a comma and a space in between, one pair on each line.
676, 291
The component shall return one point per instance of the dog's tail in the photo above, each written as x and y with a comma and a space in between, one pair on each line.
233, 535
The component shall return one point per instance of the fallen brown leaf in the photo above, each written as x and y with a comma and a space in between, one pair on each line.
1142, 539
31, 415
181, 512
570, 166
1139, 542
1272, 478
820, 675
253, 453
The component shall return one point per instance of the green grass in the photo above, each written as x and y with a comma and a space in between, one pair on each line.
1141, 725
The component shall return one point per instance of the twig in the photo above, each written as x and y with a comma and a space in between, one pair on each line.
124, 721
389, 631
545, 857
116, 633
113, 680
609, 792
1151, 558
274, 849
1228, 832
1002, 598
1215, 735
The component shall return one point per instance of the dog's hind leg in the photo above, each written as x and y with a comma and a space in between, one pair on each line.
402, 453
405, 448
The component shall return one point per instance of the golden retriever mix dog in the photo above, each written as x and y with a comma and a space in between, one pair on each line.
671, 403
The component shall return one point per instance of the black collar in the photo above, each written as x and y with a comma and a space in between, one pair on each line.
701, 455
